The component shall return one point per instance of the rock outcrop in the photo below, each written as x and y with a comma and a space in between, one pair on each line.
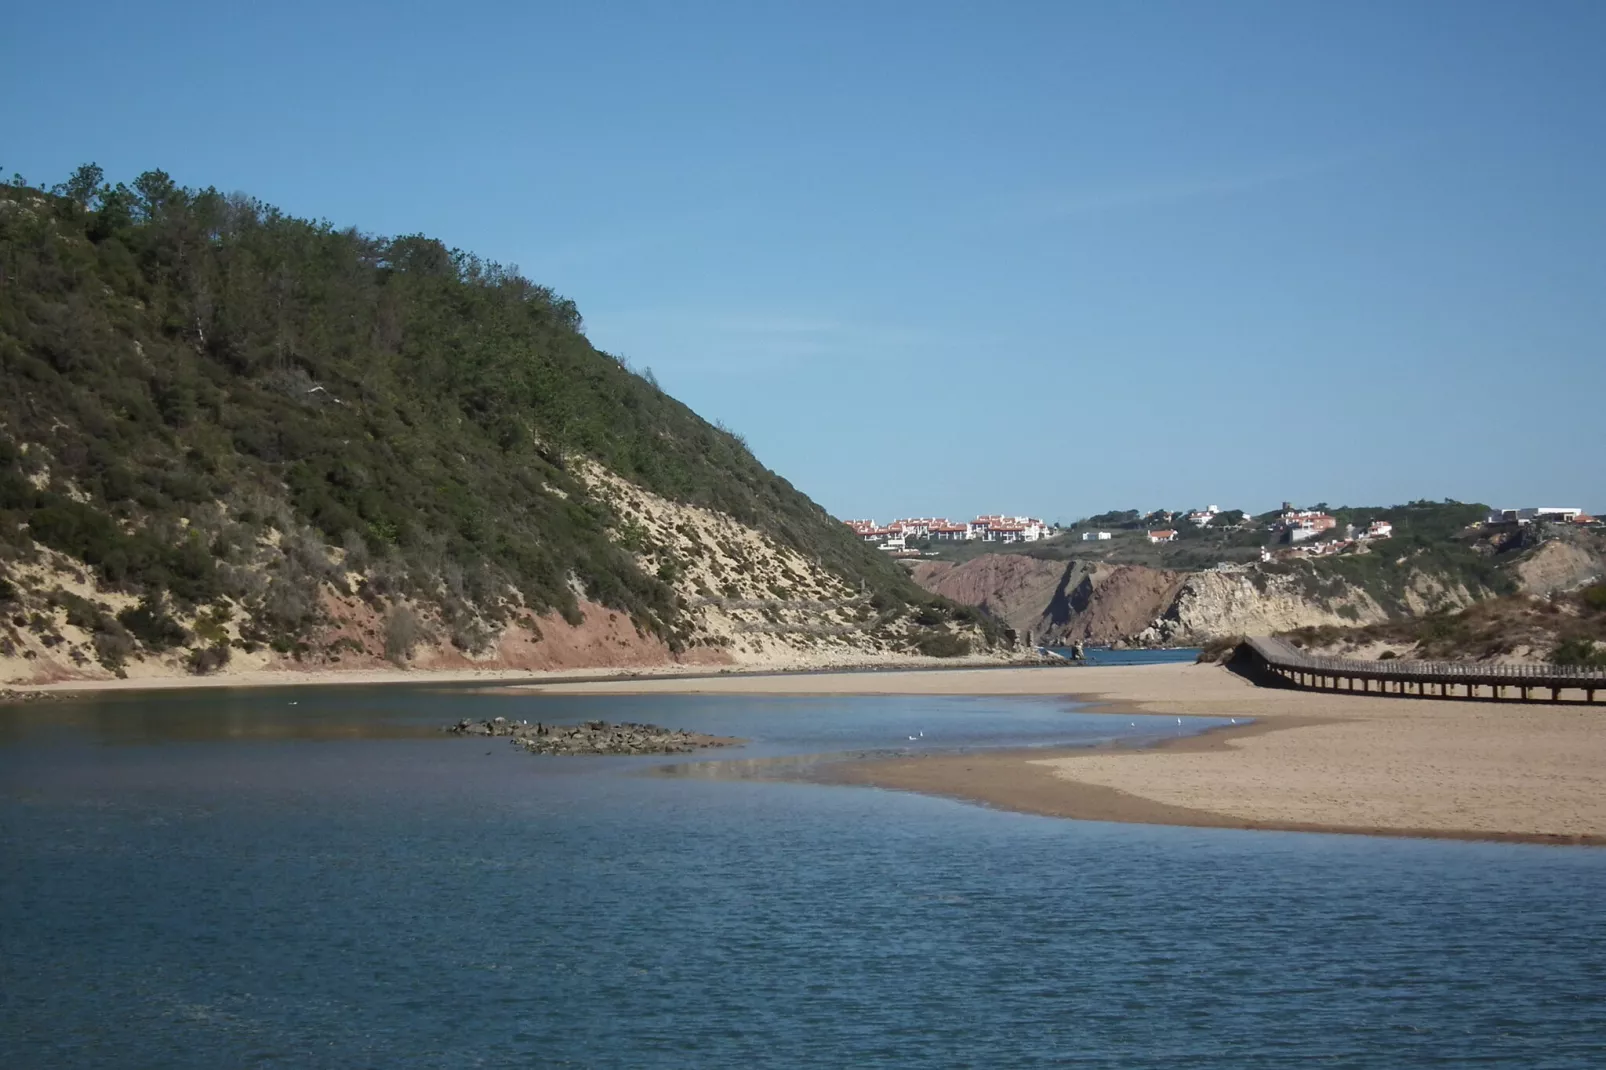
1011, 587
1096, 602
1558, 566
1106, 603
1210, 604
592, 737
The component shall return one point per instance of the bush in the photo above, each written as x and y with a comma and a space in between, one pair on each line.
403, 632
1219, 649
81, 612
943, 645
1578, 652
150, 623
203, 660
114, 646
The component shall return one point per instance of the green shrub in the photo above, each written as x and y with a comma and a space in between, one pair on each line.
1578, 652
1218, 649
151, 624
208, 659
943, 645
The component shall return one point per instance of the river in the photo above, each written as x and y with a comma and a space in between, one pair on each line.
313, 877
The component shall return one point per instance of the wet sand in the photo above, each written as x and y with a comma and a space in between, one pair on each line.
1310, 762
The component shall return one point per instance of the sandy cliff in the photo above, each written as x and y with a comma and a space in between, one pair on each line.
1102, 603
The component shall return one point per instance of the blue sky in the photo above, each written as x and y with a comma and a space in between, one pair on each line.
954, 258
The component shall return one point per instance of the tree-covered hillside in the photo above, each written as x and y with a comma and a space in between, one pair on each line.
192, 375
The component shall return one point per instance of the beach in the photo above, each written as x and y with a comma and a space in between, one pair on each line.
1309, 762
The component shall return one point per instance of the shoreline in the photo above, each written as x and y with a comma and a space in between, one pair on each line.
1018, 781
521, 679
1309, 762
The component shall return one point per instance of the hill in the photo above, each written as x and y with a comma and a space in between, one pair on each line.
231, 433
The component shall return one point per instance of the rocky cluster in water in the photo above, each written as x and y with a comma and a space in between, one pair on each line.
8, 694
592, 737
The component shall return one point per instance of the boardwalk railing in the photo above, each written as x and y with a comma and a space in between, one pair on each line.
1305, 670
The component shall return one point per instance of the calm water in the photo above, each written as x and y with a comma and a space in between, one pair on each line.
1103, 655
231, 880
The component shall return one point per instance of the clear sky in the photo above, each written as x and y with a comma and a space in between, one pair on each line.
954, 258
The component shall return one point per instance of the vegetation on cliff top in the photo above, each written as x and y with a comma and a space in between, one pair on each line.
192, 374
1566, 629
1431, 539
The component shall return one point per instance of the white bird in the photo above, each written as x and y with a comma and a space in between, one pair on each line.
922, 733
911, 738
1179, 720
1234, 720
292, 703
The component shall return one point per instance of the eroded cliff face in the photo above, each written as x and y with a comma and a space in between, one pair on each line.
1102, 603
1107, 603
1011, 587
1210, 604
1559, 566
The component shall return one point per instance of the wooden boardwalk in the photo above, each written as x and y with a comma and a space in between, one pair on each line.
1430, 679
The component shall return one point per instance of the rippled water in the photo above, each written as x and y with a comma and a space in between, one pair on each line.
229, 880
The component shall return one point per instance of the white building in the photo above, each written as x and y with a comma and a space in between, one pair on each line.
1096, 536
1562, 514
1163, 536
1000, 528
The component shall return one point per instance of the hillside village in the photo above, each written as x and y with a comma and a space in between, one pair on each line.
896, 536
1288, 533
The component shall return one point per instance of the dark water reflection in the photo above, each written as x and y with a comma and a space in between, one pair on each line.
273, 892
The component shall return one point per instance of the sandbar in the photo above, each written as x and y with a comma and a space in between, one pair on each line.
1376, 765
1310, 761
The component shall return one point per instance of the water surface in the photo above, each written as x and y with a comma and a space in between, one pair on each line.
221, 880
